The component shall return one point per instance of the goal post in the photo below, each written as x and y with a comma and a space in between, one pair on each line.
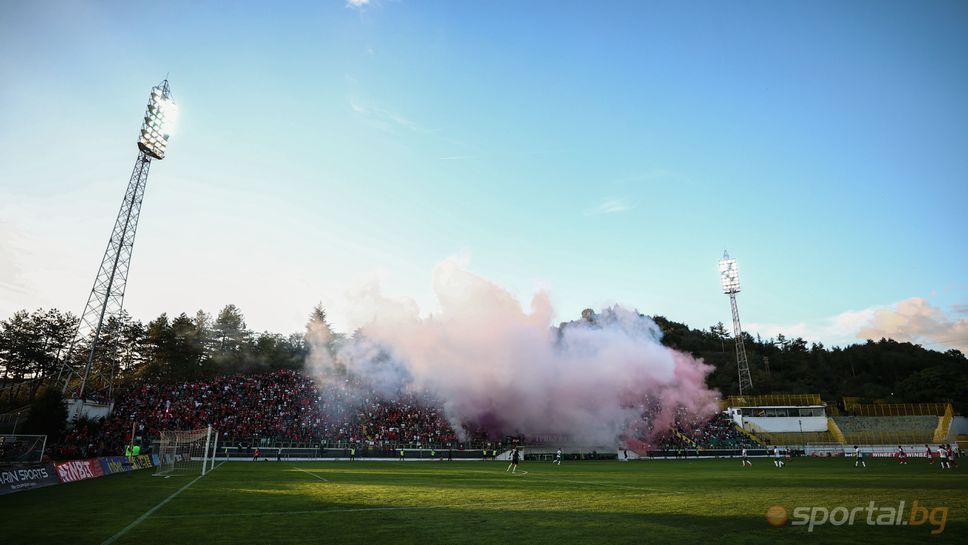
183, 452
214, 452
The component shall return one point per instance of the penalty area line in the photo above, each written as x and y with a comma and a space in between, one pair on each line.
311, 473
148, 513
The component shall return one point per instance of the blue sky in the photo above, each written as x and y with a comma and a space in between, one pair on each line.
605, 151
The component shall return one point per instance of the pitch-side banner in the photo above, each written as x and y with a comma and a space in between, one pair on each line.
114, 464
121, 464
78, 470
141, 462
27, 477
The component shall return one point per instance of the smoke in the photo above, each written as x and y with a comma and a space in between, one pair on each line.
497, 367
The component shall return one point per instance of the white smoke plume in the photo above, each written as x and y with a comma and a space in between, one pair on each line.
505, 370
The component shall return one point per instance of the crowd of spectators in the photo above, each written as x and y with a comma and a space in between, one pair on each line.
720, 432
287, 406
283, 406
691, 433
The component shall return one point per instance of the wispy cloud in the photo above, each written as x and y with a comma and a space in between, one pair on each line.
839, 330
912, 320
663, 175
609, 206
13, 248
384, 118
357, 4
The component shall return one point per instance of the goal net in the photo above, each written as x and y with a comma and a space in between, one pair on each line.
183, 452
18, 449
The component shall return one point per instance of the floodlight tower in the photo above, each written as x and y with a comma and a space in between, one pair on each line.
79, 375
730, 279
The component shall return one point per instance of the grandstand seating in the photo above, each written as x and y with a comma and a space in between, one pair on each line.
286, 409
872, 430
718, 432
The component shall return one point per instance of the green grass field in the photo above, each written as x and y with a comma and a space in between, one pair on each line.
696, 501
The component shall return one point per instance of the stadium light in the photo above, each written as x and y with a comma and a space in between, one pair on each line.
106, 298
729, 274
159, 121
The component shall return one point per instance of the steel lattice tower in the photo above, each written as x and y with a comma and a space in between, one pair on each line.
730, 279
80, 376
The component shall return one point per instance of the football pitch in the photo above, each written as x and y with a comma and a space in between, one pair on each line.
694, 501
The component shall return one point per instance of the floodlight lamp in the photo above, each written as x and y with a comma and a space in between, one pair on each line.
729, 275
158, 122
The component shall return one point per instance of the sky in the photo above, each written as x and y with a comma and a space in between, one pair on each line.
607, 152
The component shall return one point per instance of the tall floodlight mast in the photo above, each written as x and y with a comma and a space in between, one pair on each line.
82, 374
730, 279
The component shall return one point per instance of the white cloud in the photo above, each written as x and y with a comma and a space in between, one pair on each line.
918, 321
357, 3
610, 206
840, 329
914, 320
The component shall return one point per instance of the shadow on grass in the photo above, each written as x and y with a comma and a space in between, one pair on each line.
429, 525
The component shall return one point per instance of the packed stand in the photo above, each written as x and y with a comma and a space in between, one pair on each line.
281, 406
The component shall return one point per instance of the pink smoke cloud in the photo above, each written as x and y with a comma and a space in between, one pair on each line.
496, 365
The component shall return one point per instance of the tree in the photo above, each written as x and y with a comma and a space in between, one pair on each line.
32, 345
175, 351
231, 338
719, 331
48, 415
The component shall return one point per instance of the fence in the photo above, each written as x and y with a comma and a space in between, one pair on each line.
889, 437
896, 409
774, 400
795, 438
857, 438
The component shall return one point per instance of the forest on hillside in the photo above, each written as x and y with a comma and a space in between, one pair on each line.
199, 346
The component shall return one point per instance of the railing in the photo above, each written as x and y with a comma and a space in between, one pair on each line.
789, 438
889, 437
686, 438
274, 443
750, 435
834, 430
796, 437
944, 424
896, 409
774, 400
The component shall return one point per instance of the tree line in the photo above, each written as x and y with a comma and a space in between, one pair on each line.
200, 346
882, 370
165, 350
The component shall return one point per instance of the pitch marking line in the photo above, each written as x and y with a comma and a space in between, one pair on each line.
311, 473
148, 513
